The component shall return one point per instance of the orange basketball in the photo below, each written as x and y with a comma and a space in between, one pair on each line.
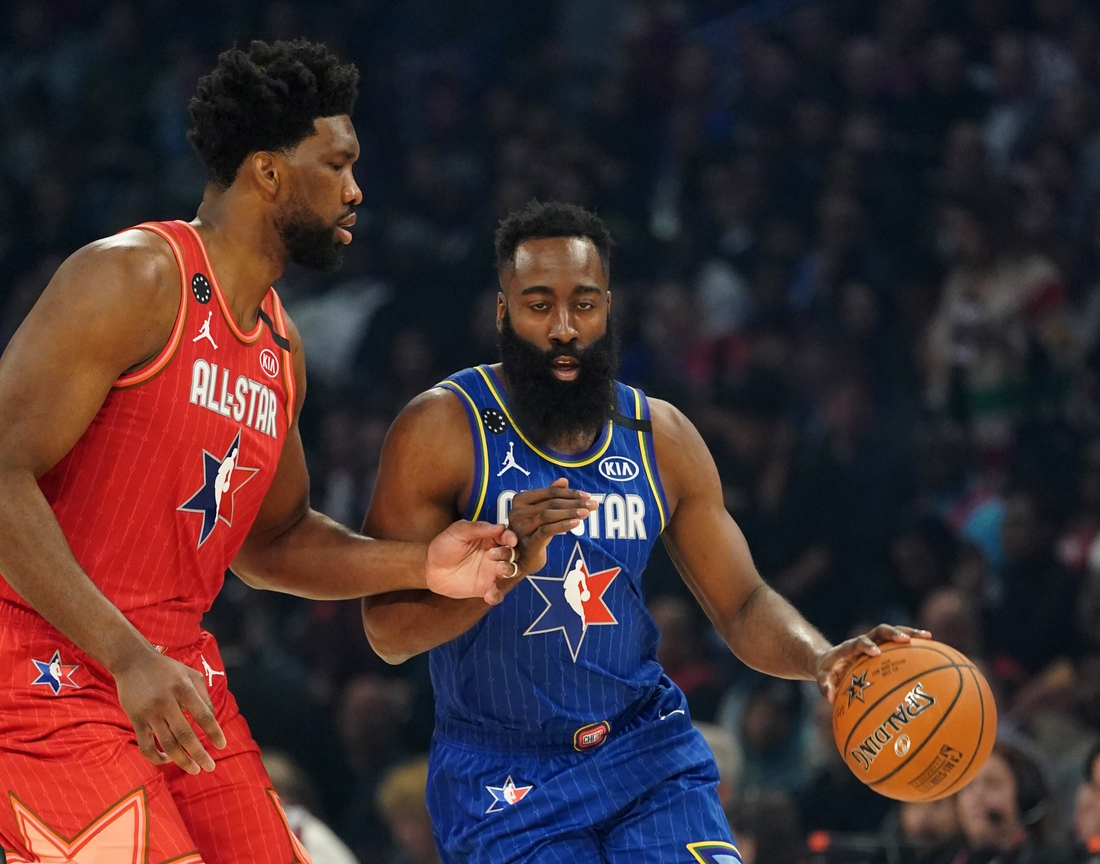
915, 723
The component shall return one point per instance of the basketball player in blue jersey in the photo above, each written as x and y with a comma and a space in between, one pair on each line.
558, 737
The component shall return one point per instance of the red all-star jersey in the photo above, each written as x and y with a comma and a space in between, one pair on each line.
157, 496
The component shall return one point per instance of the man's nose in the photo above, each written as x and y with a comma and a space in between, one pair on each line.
564, 329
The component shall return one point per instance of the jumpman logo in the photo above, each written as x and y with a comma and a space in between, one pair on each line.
204, 330
209, 672
510, 461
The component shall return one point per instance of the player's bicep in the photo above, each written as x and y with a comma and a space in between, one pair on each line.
424, 465
704, 542
109, 307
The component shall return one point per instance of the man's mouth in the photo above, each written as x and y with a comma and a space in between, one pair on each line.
342, 232
565, 368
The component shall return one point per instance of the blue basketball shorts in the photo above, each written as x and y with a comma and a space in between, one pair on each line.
647, 793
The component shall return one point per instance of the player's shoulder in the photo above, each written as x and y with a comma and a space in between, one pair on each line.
669, 421
437, 408
143, 259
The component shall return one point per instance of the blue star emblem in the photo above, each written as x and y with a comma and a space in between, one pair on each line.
55, 674
221, 480
574, 602
506, 795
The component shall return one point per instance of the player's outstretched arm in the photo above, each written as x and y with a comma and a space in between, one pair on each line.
110, 308
424, 479
760, 626
297, 550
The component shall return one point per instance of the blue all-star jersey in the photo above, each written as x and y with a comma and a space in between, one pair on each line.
574, 643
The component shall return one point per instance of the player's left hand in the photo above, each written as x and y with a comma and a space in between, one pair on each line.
468, 558
833, 663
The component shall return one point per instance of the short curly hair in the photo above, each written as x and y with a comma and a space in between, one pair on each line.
265, 99
539, 220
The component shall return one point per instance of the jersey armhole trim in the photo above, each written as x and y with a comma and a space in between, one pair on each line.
157, 364
288, 365
649, 456
481, 452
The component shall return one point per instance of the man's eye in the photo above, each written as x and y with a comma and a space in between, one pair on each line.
539, 307
336, 165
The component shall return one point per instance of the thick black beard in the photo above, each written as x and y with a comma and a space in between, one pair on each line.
549, 410
309, 241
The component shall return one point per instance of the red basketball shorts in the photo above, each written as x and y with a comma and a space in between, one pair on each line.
75, 788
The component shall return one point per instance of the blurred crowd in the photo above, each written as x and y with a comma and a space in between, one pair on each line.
858, 242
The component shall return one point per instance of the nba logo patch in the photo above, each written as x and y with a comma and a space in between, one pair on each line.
507, 795
574, 602
55, 674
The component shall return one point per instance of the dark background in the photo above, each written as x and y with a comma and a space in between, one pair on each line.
858, 243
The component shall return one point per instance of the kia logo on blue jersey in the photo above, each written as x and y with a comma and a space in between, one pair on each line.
619, 469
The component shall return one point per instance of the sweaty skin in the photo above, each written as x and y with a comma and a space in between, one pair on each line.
110, 309
556, 291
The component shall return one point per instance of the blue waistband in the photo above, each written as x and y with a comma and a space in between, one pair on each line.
526, 741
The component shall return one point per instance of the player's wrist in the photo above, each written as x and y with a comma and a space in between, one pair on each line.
129, 652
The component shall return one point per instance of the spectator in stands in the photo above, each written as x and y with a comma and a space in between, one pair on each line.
1003, 810
402, 804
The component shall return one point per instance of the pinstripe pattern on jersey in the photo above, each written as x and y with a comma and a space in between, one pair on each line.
117, 493
506, 673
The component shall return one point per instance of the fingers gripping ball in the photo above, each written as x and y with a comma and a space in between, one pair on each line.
915, 723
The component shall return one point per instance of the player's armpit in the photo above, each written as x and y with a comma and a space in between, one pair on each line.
711, 554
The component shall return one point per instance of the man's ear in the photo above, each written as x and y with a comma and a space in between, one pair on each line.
502, 308
265, 172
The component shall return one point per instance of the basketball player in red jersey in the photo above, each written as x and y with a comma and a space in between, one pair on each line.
148, 441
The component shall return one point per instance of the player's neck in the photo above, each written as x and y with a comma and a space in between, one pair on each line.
244, 251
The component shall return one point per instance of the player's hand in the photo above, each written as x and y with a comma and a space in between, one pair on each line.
834, 663
538, 515
468, 558
155, 691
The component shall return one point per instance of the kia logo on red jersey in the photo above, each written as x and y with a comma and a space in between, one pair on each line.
269, 363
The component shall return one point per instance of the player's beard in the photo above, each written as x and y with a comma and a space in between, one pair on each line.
308, 239
548, 409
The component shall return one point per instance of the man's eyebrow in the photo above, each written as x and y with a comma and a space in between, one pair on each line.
536, 289
587, 289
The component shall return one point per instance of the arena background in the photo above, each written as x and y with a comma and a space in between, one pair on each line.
858, 243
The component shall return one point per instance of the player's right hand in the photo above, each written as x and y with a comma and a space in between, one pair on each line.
154, 691
538, 515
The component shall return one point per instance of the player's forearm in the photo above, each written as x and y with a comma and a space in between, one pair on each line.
320, 559
770, 635
406, 623
37, 562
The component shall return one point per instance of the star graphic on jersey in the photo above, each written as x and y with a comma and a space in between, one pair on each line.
222, 478
574, 602
856, 688
715, 852
55, 674
506, 795
116, 837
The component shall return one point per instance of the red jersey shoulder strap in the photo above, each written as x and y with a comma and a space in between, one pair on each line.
173, 237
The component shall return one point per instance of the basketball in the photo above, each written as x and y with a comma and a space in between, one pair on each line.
915, 723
